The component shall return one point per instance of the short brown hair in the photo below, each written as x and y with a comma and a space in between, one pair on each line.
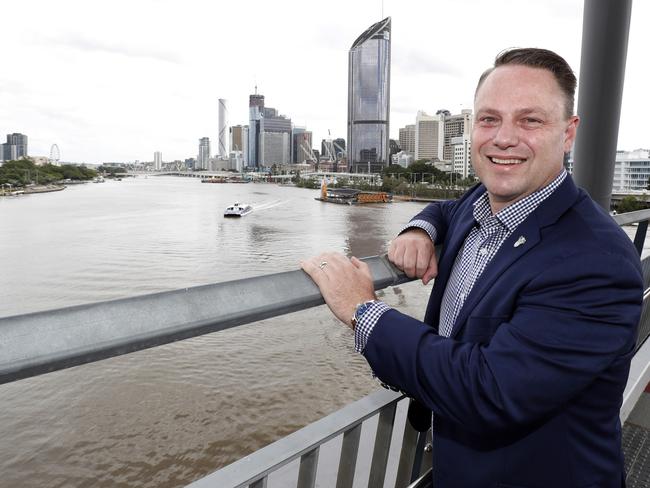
543, 59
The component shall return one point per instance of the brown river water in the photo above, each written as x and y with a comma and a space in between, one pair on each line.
169, 415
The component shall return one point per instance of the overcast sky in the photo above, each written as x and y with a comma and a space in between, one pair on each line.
117, 80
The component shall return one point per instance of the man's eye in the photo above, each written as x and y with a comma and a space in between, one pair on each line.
487, 120
532, 121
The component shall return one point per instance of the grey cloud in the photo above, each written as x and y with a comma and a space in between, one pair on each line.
96, 45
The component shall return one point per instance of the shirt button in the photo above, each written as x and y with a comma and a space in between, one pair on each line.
483, 252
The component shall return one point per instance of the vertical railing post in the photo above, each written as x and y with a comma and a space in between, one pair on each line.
605, 30
639, 237
308, 467
382, 446
348, 460
407, 456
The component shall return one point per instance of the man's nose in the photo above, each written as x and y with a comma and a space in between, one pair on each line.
506, 136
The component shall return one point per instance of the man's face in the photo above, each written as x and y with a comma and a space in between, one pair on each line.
520, 132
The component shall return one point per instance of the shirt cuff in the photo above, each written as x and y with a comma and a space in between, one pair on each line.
424, 225
366, 323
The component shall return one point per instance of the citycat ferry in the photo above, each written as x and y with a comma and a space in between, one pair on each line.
238, 210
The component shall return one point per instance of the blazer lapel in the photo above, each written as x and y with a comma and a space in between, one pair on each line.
525, 237
464, 222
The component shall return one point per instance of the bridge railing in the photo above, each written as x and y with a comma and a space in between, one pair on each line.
42, 342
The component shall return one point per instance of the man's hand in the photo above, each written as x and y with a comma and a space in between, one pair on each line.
414, 253
343, 282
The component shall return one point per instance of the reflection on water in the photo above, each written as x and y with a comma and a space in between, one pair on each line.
166, 416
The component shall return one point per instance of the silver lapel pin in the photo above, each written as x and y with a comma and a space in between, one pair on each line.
520, 241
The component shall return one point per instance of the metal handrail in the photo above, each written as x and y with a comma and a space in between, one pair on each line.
42, 342
641, 217
632, 217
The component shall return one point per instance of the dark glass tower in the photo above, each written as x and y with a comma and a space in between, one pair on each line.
369, 99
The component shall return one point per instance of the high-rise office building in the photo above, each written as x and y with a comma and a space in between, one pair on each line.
223, 129
276, 131
255, 114
407, 139
276, 148
369, 99
458, 125
203, 159
244, 147
301, 145
239, 141
236, 142
429, 135
157, 160
14, 148
269, 135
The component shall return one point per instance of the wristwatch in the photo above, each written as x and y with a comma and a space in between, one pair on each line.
359, 311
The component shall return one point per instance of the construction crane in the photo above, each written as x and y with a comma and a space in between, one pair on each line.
310, 154
329, 148
343, 151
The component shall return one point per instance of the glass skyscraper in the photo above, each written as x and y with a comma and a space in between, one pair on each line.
369, 99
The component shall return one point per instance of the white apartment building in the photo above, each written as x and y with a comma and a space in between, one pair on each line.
203, 159
462, 155
631, 170
429, 136
157, 161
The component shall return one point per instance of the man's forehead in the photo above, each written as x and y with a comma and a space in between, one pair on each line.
524, 87
519, 76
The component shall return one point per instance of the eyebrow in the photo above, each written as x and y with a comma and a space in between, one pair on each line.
523, 111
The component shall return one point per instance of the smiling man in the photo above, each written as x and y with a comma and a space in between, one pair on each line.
525, 347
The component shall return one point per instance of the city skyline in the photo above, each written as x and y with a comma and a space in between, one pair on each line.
71, 80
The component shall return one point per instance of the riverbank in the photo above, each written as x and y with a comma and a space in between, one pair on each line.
32, 189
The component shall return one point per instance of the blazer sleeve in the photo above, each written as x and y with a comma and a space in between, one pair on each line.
571, 322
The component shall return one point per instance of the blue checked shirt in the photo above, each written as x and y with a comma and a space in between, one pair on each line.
481, 245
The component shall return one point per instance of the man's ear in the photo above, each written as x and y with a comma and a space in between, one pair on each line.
570, 132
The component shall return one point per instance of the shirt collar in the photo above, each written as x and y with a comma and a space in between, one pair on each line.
514, 214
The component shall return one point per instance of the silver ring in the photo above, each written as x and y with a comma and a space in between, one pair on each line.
322, 264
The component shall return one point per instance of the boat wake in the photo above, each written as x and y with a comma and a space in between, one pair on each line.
268, 205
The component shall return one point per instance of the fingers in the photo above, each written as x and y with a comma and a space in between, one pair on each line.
431, 271
314, 267
396, 253
412, 252
361, 266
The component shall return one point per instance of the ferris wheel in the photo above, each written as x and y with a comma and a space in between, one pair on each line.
55, 155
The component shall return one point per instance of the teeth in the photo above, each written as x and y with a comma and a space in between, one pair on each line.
507, 161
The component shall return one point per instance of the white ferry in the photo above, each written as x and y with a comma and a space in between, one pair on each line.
238, 210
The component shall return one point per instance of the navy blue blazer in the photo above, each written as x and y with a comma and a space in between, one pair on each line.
527, 390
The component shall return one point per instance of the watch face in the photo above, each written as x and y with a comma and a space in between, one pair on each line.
361, 309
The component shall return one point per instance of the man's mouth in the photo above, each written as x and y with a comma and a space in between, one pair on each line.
508, 161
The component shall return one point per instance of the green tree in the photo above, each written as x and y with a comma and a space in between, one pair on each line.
629, 204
